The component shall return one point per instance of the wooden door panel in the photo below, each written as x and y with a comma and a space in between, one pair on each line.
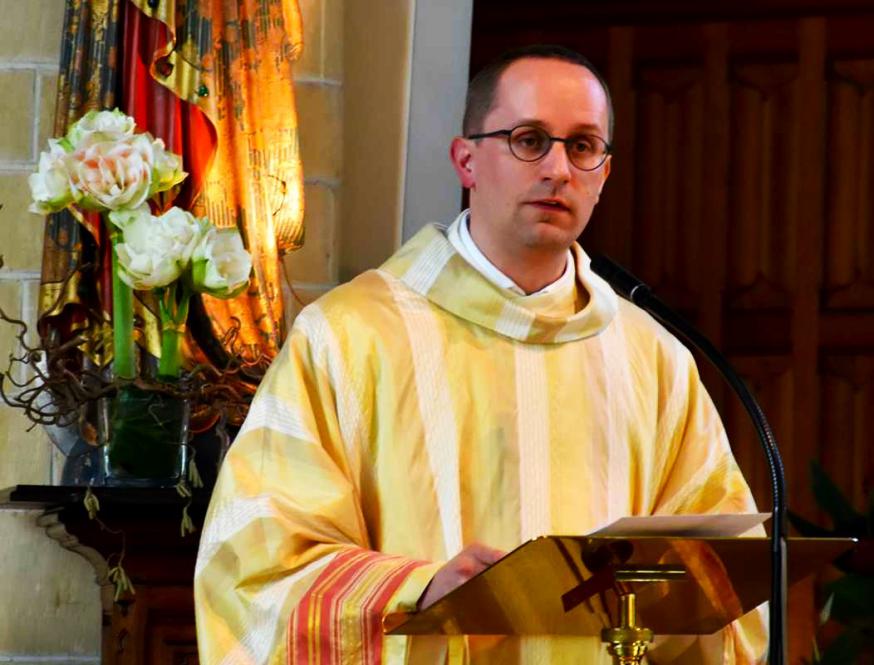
669, 164
763, 185
847, 402
849, 260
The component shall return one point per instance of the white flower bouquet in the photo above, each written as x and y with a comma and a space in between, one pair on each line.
103, 164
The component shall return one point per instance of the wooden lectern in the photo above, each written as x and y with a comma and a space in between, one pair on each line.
623, 588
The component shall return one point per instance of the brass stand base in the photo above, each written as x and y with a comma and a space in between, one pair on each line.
627, 643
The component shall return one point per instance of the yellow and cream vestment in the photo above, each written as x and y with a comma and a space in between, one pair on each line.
419, 408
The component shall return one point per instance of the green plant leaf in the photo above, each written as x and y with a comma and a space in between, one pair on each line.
119, 578
852, 596
846, 519
187, 525
824, 616
92, 505
193, 474
844, 650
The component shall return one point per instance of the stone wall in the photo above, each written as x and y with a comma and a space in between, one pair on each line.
49, 609
313, 269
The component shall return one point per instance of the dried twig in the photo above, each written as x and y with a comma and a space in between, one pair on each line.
53, 381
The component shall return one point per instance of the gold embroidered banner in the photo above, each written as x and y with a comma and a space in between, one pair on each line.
233, 60
74, 289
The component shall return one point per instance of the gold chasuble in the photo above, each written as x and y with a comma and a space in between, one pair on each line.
419, 408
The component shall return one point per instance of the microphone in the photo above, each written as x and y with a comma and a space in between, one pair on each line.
635, 290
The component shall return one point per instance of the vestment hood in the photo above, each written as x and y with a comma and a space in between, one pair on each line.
429, 265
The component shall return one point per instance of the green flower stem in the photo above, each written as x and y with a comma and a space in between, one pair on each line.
173, 305
122, 320
171, 353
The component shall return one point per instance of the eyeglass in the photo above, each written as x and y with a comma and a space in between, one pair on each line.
529, 143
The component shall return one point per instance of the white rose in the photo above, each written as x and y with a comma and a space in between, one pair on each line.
184, 230
112, 174
220, 264
155, 251
167, 168
144, 259
111, 123
50, 185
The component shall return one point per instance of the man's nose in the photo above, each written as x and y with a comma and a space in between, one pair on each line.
555, 163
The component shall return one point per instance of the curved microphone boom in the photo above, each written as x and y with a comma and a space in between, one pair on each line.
639, 293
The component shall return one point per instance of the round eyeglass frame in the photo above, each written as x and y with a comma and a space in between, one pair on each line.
508, 133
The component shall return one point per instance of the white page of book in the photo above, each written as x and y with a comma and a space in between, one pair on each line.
684, 526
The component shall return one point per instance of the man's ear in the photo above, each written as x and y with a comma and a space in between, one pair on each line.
462, 161
606, 173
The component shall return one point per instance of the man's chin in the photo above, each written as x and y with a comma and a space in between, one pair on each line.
552, 234
549, 245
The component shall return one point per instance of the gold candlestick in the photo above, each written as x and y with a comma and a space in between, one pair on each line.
627, 643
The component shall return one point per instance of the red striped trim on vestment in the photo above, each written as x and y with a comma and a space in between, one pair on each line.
339, 618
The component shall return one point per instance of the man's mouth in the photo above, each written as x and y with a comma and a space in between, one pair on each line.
550, 204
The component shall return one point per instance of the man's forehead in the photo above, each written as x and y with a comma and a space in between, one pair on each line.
548, 88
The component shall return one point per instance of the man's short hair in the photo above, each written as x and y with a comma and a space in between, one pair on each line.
482, 88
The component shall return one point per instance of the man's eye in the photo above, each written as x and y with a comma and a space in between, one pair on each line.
529, 140
582, 145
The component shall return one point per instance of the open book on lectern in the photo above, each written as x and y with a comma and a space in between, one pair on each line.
691, 574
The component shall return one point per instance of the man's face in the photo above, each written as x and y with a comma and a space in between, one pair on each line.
520, 210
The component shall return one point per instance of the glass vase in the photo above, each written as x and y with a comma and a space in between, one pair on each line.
144, 435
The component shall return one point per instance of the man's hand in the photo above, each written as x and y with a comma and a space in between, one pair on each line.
473, 559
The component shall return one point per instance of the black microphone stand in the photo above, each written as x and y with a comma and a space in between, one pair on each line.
640, 294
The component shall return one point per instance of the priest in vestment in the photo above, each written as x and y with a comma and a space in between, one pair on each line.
481, 388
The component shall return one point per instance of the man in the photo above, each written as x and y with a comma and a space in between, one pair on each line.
481, 388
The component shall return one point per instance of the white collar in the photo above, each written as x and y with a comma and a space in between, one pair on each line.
459, 235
